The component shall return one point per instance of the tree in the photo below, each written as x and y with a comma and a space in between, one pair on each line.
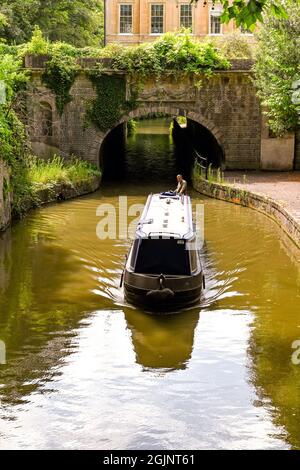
277, 68
79, 22
247, 13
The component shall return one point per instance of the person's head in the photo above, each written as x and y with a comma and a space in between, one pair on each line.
179, 178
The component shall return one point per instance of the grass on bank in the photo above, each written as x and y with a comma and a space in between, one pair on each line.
57, 170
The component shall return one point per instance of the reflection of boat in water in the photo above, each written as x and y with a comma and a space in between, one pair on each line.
163, 270
162, 342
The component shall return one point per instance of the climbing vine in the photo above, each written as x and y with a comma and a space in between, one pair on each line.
59, 76
106, 109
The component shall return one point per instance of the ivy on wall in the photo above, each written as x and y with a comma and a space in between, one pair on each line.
110, 103
59, 76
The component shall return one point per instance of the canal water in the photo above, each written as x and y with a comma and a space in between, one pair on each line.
85, 371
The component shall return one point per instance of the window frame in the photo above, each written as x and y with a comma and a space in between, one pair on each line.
120, 6
162, 4
192, 15
210, 17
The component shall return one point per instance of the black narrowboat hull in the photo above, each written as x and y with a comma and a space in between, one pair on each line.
163, 294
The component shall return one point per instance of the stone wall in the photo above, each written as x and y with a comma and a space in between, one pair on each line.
5, 197
225, 104
266, 205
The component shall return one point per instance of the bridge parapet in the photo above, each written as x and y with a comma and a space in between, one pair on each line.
32, 61
225, 103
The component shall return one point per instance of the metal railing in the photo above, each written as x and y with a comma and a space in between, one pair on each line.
202, 162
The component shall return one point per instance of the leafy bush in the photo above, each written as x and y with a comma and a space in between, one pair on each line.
131, 127
236, 46
176, 52
57, 170
277, 67
79, 22
38, 44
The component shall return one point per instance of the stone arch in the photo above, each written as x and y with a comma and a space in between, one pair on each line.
137, 113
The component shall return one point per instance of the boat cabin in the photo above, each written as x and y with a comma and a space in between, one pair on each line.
164, 236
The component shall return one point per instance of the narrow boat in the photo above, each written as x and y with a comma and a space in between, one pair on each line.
163, 271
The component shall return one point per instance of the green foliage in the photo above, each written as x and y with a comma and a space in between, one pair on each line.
3, 20
57, 170
13, 142
235, 46
38, 44
176, 52
182, 121
131, 127
79, 22
106, 110
12, 75
247, 13
59, 76
278, 67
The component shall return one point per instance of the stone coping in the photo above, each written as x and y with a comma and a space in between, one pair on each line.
32, 61
246, 198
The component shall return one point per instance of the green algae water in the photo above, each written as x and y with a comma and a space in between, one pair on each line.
84, 370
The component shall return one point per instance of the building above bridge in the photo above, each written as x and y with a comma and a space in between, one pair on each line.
136, 21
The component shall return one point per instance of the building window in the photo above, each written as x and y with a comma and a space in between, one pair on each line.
186, 18
215, 22
157, 19
126, 19
46, 119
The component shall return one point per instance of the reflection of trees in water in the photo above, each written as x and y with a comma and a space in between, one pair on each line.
36, 317
247, 269
5, 260
275, 377
162, 342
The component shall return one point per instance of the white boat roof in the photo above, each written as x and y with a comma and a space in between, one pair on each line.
168, 217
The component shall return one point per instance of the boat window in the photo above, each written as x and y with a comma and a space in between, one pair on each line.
163, 256
134, 252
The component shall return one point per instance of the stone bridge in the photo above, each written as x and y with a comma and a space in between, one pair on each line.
226, 104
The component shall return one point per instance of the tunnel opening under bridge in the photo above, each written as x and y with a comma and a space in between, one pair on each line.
157, 147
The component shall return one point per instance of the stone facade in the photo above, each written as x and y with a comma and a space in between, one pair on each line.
277, 153
133, 21
226, 104
5, 196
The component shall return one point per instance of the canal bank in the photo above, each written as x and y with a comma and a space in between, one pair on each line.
76, 352
217, 376
37, 194
5, 196
274, 194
